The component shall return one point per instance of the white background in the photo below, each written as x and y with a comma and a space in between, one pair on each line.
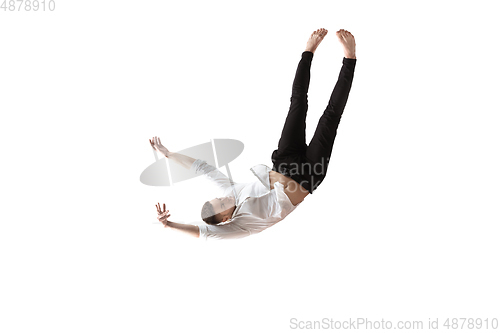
405, 226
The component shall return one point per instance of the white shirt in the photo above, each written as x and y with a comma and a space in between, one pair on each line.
257, 206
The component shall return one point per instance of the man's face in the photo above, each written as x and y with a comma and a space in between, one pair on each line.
224, 206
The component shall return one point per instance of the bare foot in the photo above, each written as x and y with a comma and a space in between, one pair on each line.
348, 42
315, 39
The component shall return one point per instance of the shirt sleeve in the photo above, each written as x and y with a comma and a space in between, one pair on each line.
225, 231
212, 173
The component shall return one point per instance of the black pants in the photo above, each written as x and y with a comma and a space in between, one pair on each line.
307, 164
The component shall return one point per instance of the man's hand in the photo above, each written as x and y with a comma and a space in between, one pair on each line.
156, 144
163, 215
180, 159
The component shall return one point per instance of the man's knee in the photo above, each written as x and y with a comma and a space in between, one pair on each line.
298, 95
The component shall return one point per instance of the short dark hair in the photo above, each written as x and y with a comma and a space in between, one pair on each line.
208, 214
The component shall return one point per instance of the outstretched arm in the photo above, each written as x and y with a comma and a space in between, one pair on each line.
183, 160
202, 167
189, 229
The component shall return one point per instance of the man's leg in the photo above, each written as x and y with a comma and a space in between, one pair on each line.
293, 136
320, 148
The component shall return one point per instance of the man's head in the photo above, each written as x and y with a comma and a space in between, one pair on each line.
218, 210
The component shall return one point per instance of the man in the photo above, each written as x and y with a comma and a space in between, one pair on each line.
298, 168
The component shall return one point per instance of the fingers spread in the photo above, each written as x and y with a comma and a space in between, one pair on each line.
163, 216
